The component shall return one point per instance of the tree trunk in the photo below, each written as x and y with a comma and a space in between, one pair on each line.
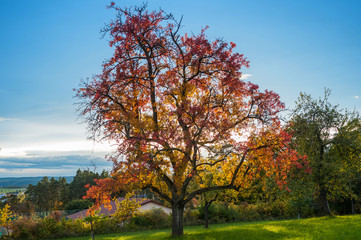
91, 229
177, 219
324, 207
299, 212
206, 216
352, 207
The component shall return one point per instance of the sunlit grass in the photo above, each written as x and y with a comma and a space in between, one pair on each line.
11, 190
342, 227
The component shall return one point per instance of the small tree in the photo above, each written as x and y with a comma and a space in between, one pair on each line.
126, 209
6, 218
92, 218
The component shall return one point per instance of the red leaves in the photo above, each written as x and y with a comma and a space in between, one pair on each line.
171, 101
102, 191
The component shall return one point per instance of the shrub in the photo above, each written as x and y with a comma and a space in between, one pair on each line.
49, 227
78, 204
220, 212
154, 218
191, 217
34, 228
73, 228
25, 228
226, 212
106, 225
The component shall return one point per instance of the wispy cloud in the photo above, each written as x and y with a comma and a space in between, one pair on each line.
10, 164
50, 162
356, 97
7, 119
63, 148
42, 166
246, 76
36, 172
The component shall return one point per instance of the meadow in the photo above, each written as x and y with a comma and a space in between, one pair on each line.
8, 190
340, 227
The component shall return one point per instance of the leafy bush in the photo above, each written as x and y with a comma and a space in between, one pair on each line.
106, 225
56, 226
34, 228
73, 228
191, 217
220, 212
78, 204
25, 228
154, 218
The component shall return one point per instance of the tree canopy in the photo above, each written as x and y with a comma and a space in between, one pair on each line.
329, 136
177, 108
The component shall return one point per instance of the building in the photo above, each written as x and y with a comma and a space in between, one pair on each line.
145, 204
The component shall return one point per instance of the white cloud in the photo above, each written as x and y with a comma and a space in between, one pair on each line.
32, 172
61, 148
356, 97
246, 76
34, 138
7, 119
50, 166
19, 164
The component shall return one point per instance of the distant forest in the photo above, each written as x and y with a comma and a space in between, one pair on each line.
25, 181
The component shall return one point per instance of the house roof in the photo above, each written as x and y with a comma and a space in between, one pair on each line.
105, 211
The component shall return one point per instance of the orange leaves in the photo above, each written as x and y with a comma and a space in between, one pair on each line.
274, 156
184, 120
102, 191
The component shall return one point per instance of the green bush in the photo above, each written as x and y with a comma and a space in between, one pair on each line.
56, 226
248, 212
154, 218
49, 227
106, 225
34, 228
73, 228
25, 228
191, 217
226, 212
220, 212
211, 212
78, 204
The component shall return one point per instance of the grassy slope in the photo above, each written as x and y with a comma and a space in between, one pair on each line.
342, 227
7, 190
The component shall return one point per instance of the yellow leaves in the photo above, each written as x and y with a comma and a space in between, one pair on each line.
5, 216
127, 208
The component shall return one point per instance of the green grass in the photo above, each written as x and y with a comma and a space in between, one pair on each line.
341, 227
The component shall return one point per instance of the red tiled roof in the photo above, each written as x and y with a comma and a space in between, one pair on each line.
104, 210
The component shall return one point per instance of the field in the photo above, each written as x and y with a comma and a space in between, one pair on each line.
7, 190
341, 227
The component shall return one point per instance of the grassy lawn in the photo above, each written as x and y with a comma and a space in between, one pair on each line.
342, 227
7, 190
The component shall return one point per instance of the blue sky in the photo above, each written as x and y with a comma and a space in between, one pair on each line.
47, 47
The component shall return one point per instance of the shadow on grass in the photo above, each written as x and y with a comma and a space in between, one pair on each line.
234, 231
345, 228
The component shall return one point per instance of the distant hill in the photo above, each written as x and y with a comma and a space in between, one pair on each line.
25, 181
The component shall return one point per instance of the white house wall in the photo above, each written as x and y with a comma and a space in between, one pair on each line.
150, 205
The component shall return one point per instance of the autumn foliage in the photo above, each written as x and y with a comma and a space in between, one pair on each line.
6, 216
178, 110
